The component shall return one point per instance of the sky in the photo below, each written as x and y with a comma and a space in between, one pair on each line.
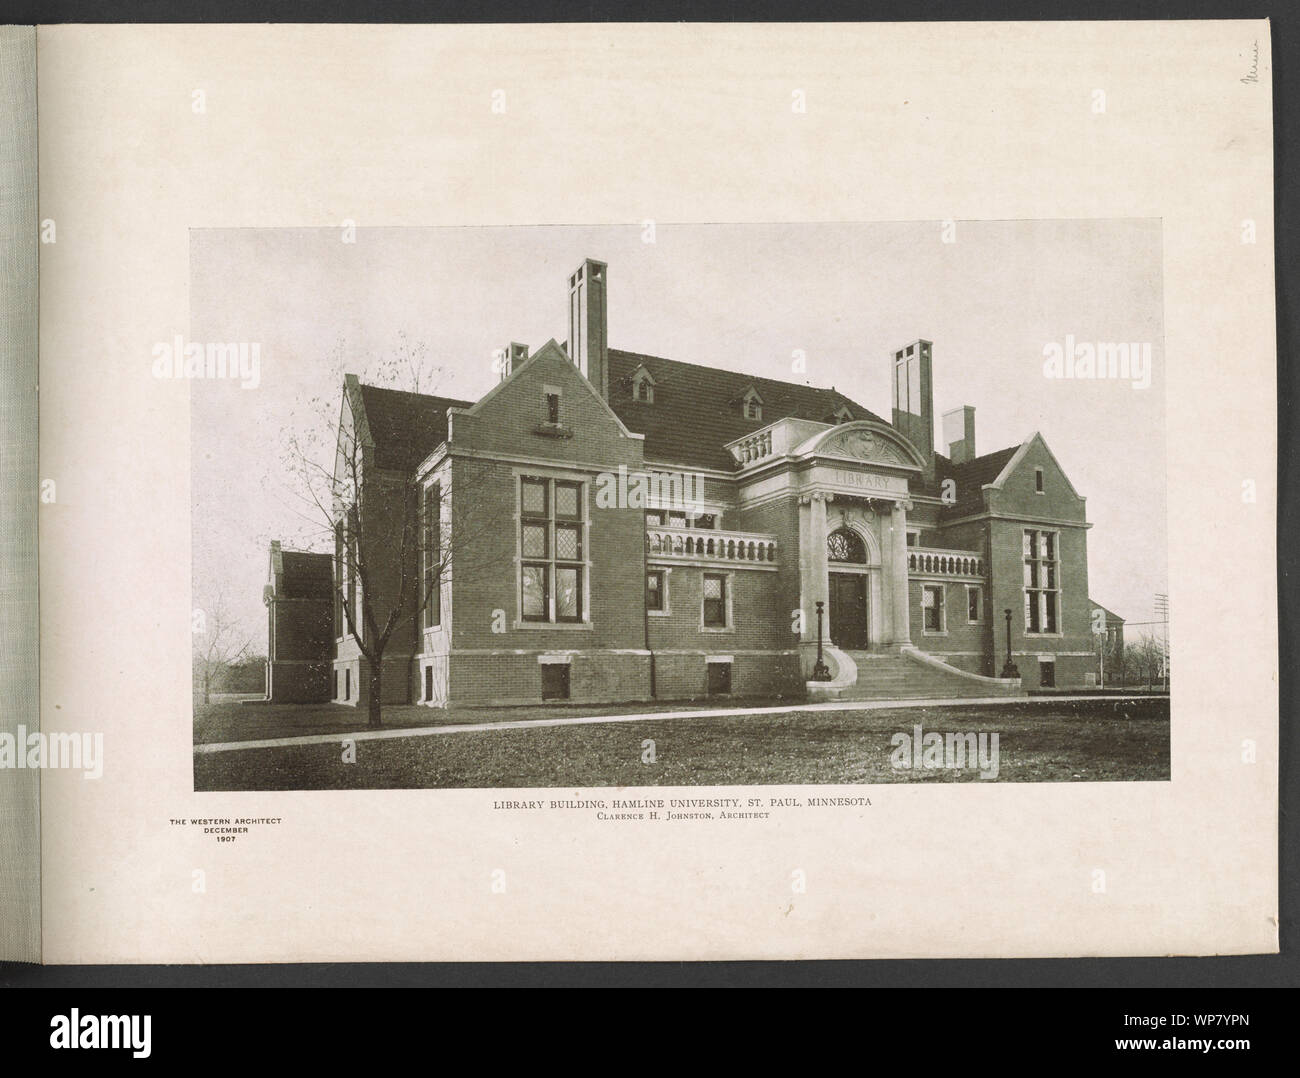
739, 296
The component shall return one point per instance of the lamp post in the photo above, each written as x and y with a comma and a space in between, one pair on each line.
820, 671
1009, 670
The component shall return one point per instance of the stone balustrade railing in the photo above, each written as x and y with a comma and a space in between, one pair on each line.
709, 545
929, 561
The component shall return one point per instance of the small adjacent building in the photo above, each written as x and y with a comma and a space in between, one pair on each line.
300, 630
1113, 630
606, 525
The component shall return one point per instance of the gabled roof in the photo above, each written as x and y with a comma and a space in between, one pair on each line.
1023, 450
1110, 614
970, 477
694, 415
405, 427
298, 574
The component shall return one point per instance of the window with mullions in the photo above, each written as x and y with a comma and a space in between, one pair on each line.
1042, 581
552, 569
339, 624
932, 608
432, 542
655, 590
658, 518
715, 601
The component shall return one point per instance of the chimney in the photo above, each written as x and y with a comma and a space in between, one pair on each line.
959, 434
589, 325
914, 397
510, 357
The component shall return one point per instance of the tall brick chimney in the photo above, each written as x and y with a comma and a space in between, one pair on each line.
959, 434
512, 357
913, 393
589, 324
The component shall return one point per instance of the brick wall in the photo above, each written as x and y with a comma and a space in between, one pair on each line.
1059, 509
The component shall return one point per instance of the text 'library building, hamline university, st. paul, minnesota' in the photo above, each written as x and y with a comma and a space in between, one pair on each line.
606, 526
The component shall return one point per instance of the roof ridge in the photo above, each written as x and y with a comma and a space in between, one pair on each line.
805, 386
412, 393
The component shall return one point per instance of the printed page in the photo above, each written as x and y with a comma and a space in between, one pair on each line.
658, 492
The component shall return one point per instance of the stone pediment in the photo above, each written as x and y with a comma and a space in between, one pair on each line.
862, 445
863, 440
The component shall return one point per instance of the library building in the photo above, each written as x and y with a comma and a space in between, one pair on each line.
607, 526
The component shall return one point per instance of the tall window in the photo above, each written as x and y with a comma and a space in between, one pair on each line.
715, 601
932, 607
432, 543
350, 564
974, 603
552, 570
1042, 581
339, 627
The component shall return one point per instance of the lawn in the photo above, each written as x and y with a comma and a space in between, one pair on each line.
1040, 741
223, 721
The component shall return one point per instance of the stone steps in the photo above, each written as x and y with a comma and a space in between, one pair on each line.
896, 677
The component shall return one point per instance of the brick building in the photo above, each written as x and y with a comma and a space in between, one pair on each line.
299, 626
607, 526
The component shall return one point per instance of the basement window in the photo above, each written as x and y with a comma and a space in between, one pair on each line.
1047, 673
719, 680
555, 681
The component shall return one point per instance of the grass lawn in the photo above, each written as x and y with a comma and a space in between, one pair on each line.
1045, 741
223, 721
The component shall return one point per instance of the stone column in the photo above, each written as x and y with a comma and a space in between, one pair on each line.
896, 573
812, 563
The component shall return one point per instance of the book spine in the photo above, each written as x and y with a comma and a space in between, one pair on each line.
20, 800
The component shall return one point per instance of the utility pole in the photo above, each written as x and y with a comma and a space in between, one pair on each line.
1162, 616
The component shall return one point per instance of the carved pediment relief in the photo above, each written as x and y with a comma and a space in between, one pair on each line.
861, 445
865, 441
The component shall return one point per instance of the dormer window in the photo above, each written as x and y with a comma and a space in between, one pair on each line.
643, 386
751, 404
842, 415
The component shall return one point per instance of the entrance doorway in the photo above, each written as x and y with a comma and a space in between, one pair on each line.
848, 610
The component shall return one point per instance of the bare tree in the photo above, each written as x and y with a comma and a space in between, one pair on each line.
219, 642
1147, 656
396, 542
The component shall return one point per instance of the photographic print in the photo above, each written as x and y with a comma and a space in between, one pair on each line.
678, 505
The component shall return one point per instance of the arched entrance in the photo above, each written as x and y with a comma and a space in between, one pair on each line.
847, 583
